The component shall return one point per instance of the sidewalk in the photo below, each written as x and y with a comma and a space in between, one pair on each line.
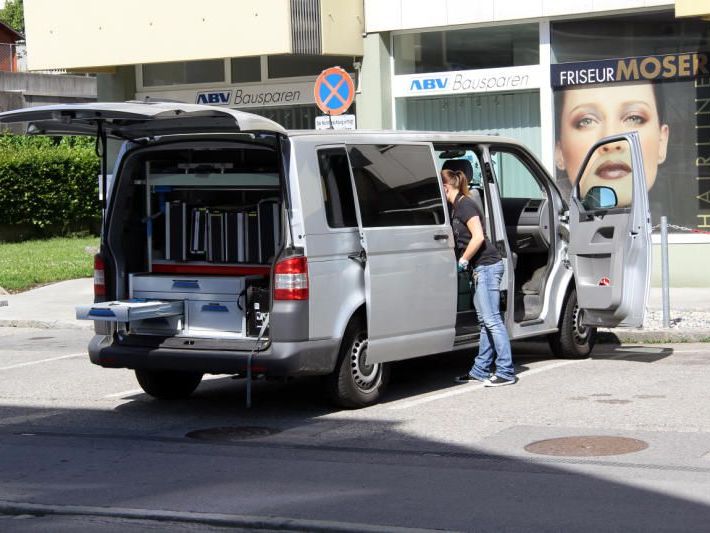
52, 306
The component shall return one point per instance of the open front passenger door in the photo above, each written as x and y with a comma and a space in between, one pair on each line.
410, 267
610, 234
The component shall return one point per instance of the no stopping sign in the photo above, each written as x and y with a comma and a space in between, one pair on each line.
334, 91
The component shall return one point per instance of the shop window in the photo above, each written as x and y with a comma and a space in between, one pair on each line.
183, 72
443, 51
626, 36
397, 185
245, 69
337, 188
293, 66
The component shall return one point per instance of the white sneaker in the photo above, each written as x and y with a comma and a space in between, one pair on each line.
496, 381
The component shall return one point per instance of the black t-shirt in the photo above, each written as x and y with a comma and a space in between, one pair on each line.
465, 209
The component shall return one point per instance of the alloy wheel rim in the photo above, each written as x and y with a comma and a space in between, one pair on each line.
366, 377
581, 333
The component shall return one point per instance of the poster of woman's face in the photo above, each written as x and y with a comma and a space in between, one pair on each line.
663, 115
590, 113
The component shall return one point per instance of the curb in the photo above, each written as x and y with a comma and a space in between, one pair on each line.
619, 336
43, 324
213, 519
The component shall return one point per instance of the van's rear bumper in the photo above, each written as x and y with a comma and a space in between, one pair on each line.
313, 357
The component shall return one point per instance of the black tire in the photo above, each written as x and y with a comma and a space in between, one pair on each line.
353, 383
168, 384
572, 340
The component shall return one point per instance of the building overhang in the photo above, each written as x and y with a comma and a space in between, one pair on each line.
86, 35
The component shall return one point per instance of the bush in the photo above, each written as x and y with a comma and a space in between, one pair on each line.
47, 186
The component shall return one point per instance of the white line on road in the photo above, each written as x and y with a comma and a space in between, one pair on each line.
465, 389
29, 363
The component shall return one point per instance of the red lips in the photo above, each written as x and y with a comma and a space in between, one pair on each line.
612, 170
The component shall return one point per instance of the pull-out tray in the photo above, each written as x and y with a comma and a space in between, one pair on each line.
129, 310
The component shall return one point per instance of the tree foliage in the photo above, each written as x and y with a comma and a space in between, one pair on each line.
13, 14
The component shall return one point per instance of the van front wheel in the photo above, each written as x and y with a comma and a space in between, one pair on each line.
355, 383
572, 340
168, 384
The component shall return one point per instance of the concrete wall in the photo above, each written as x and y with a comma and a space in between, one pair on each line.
29, 84
688, 265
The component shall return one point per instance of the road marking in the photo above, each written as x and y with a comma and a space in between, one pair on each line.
27, 418
131, 392
465, 389
30, 363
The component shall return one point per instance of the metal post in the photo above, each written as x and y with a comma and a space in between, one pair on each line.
664, 273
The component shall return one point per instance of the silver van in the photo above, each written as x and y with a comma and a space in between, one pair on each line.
230, 245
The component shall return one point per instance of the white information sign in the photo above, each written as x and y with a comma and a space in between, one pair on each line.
340, 122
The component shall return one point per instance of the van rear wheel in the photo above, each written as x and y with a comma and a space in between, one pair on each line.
355, 383
572, 340
168, 384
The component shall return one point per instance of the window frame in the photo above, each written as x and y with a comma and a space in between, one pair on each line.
323, 148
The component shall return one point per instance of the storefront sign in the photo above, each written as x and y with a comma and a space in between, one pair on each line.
242, 96
468, 81
643, 68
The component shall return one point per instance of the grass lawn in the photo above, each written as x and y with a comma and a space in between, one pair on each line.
27, 264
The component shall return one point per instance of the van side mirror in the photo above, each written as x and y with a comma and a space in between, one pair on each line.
600, 197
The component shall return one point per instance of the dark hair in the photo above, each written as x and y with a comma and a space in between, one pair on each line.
658, 94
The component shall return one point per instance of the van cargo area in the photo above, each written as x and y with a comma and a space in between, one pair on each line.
194, 230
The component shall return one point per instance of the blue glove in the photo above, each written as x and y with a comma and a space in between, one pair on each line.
462, 265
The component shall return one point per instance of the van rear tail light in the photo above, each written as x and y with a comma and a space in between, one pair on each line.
99, 278
291, 279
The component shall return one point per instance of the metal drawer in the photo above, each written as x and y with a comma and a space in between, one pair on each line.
129, 310
213, 318
150, 283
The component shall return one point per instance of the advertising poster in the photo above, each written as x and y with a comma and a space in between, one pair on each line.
666, 98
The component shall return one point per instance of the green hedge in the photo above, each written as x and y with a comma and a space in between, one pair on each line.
48, 186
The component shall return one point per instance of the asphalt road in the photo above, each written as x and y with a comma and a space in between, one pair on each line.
81, 448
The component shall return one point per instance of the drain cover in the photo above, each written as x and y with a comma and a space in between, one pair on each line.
593, 446
227, 434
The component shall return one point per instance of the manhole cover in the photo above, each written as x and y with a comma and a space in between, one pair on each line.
227, 434
593, 446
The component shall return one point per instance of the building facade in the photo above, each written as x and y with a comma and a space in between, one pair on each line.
491, 66
558, 76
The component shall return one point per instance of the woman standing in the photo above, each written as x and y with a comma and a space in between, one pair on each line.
476, 252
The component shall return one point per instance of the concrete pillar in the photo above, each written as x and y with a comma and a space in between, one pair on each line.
118, 86
374, 100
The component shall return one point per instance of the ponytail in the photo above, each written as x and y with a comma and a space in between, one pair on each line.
456, 179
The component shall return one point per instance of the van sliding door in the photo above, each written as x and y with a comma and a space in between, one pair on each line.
410, 268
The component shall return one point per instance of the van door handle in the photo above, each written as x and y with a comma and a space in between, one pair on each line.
441, 237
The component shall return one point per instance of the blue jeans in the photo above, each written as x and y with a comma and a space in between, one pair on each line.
494, 342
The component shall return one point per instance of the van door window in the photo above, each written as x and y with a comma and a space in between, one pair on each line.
337, 188
397, 185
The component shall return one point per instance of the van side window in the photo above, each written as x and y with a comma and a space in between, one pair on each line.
337, 188
515, 179
397, 185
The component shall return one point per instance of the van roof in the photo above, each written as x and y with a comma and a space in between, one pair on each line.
407, 135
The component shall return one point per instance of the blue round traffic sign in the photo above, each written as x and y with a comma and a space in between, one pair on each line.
334, 91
